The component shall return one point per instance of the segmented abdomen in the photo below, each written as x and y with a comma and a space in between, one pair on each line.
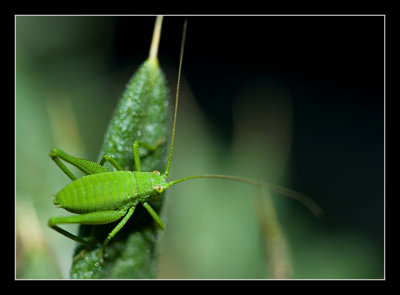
98, 192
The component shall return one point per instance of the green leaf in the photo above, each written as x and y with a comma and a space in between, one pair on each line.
142, 114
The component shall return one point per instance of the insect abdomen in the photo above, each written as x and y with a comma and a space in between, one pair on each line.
98, 192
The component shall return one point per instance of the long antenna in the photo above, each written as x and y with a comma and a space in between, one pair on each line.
306, 201
171, 147
309, 203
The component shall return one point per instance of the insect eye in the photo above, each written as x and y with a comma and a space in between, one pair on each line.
159, 189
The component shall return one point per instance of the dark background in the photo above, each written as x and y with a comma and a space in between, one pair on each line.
333, 67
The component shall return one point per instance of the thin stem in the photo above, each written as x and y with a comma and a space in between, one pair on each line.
156, 40
276, 246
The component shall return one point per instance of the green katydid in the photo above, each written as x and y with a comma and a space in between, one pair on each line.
104, 196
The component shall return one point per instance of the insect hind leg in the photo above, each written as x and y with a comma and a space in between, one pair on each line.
101, 217
87, 167
69, 235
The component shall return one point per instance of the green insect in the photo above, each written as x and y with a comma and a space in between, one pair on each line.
104, 196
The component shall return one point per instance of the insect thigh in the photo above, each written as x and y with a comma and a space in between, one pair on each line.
98, 192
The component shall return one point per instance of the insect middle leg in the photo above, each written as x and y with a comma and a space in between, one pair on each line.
116, 230
112, 161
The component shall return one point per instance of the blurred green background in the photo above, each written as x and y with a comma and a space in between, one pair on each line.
296, 101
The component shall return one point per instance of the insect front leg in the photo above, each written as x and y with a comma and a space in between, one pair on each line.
87, 167
154, 214
136, 154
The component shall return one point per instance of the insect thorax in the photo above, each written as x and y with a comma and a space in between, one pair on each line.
147, 182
